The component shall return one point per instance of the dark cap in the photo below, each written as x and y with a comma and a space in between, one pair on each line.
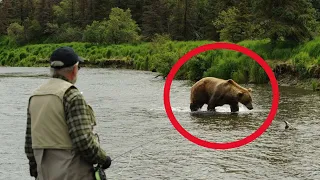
64, 57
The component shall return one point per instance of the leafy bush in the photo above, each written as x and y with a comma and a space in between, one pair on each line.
16, 32
300, 63
120, 28
96, 32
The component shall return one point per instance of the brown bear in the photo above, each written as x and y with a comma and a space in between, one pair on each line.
218, 92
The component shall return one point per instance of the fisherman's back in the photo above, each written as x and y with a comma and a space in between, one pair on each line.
60, 143
51, 143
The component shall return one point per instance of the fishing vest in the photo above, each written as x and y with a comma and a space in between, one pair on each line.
48, 123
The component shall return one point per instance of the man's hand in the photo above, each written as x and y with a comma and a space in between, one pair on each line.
107, 164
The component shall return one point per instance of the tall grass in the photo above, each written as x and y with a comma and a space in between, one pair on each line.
162, 54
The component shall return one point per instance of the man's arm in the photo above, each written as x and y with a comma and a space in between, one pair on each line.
28, 147
79, 124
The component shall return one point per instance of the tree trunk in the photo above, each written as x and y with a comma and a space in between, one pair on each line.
185, 19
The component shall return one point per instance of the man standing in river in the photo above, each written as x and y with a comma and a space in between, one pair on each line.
59, 142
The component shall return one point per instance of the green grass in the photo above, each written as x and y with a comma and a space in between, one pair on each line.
160, 56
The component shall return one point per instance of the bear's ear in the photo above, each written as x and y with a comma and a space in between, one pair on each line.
250, 90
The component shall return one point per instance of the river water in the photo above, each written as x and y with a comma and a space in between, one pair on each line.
130, 112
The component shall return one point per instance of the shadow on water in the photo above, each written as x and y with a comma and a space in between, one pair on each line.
212, 114
227, 120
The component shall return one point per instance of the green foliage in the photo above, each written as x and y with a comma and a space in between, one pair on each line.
32, 29
160, 43
237, 23
225, 25
96, 32
161, 38
196, 67
315, 85
63, 33
65, 12
312, 47
160, 55
16, 32
164, 62
154, 18
300, 59
257, 74
239, 76
223, 69
300, 63
290, 20
71, 34
121, 27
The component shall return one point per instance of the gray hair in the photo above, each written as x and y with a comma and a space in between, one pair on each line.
62, 71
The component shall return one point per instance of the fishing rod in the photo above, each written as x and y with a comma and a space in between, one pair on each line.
136, 148
99, 173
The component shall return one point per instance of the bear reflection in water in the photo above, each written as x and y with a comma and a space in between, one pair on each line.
218, 92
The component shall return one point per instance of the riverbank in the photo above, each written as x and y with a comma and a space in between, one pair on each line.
288, 75
311, 84
293, 65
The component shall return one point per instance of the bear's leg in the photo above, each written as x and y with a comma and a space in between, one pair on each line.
211, 105
200, 105
234, 107
211, 108
195, 106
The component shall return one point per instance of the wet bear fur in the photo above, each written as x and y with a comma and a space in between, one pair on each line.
218, 92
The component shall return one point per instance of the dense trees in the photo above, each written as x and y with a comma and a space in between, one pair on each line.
31, 21
290, 20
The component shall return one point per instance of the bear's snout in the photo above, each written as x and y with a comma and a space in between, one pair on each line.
249, 106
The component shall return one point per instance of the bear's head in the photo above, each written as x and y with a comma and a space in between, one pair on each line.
245, 98
243, 94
